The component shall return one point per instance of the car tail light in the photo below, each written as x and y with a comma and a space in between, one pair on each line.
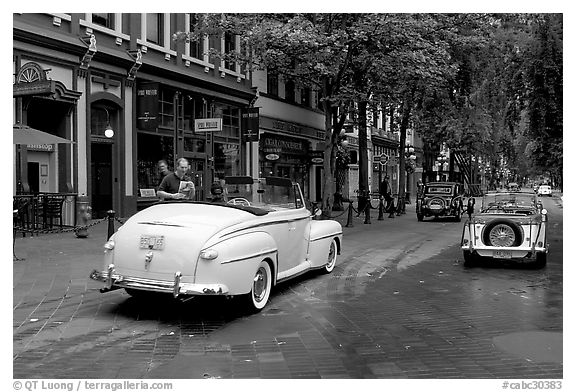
209, 254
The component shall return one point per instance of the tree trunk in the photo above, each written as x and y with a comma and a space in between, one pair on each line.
362, 156
405, 120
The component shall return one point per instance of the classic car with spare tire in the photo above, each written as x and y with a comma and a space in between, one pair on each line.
259, 234
440, 199
509, 226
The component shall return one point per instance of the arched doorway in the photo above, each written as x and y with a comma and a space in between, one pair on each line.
104, 161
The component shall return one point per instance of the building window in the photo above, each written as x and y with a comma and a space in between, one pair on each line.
272, 83
195, 46
166, 109
154, 28
229, 47
103, 19
290, 91
151, 149
305, 96
226, 160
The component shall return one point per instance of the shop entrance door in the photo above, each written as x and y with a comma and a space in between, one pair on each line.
101, 169
198, 172
34, 177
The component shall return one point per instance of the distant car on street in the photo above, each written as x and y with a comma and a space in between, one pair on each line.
509, 226
513, 187
440, 199
544, 190
259, 234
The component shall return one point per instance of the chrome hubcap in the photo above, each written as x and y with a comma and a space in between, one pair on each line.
502, 235
260, 284
331, 256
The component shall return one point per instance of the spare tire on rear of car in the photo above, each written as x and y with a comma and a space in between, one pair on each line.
502, 232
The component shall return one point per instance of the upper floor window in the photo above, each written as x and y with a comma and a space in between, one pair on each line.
195, 45
272, 83
155, 28
103, 19
230, 47
290, 89
305, 96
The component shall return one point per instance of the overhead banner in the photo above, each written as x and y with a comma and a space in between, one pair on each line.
147, 106
250, 125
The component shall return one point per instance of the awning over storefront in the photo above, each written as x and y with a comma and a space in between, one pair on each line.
23, 134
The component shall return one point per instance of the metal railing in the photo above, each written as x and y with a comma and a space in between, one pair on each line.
39, 212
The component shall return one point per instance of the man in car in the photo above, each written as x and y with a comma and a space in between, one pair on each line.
177, 185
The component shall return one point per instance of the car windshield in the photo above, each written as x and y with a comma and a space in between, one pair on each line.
506, 202
270, 193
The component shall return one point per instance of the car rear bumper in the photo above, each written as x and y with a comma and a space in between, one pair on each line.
176, 287
504, 253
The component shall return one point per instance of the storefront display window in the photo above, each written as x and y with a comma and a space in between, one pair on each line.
151, 149
226, 160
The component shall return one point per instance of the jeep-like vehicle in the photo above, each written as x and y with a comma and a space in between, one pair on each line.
440, 199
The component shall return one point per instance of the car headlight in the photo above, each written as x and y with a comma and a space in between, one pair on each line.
109, 245
209, 254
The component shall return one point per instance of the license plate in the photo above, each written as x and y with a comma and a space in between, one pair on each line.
152, 242
435, 207
502, 254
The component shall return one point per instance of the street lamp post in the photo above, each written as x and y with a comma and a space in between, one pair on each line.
440, 160
410, 163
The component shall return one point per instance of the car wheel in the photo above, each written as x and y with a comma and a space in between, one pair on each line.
541, 259
502, 233
257, 299
420, 217
332, 255
469, 259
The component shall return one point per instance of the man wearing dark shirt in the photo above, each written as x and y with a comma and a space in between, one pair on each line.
177, 185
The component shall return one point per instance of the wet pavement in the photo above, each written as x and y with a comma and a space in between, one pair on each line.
399, 304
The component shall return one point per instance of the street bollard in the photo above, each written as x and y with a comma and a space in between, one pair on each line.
349, 223
111, 214
381, 209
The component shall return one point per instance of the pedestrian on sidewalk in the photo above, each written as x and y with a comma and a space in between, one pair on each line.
386, 192
177, 185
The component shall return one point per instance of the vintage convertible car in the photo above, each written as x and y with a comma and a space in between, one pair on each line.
260, 234
440, 199
510, 225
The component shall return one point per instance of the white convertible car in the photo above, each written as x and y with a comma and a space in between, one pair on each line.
260, 234
509, 226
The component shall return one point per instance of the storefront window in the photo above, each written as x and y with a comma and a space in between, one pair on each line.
166, 108
226, 160
151, 149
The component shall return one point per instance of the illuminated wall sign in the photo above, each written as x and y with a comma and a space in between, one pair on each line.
208, 125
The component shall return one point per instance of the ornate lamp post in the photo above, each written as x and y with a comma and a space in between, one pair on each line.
441, 160
410, 159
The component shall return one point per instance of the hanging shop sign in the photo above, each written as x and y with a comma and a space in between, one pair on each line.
208, 125
147, 106
250, 125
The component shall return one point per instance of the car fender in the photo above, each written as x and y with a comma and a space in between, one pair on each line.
321, 235
238, 258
